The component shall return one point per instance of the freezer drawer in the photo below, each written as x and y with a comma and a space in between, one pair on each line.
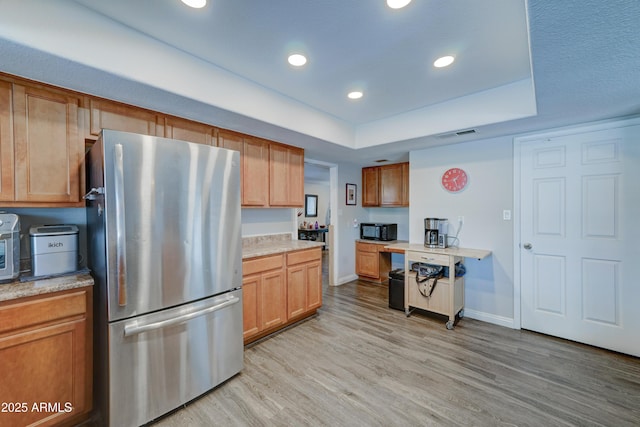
162, 360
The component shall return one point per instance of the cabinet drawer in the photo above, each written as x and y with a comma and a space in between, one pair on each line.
258, 265
368, 247
303, 256
43, 309
426, 257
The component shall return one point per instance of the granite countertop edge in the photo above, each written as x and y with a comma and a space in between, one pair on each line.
17, 289
272, 248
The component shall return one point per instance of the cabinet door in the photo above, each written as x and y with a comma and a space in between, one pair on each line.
296, 177
254, 167
286, 176
273, 299
112, 115
46, 357
405, 184
6, 143
370, 187
47, 366
186, 130
367, 263
48, 151
250, 305
314, 285
296, 291
255, 170
391, 185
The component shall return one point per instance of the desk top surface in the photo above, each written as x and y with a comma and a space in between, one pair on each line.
452, 251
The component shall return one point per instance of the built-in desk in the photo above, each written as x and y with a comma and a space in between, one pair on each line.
373, 260
444, 295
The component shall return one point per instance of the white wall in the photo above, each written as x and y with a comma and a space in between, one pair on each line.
256, 222
489, 165
346, 233
398, 216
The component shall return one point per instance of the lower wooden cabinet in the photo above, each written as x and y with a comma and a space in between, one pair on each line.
278, 290
46, 359
304, 282
263, 294
372, 263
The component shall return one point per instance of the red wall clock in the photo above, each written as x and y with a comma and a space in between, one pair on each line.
454, 180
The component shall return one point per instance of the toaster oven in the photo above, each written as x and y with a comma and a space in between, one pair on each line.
9, 246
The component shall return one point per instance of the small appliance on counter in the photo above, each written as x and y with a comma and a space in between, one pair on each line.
54, 249
378, 231
9, 246
435, 232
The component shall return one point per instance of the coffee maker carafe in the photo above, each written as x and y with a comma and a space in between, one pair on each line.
435, 232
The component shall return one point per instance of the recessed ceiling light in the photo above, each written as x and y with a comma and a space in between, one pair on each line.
444, 61
297, 60
355, 95
197, 4
397, 4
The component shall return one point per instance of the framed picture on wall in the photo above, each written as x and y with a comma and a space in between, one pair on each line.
352, 192
310, 205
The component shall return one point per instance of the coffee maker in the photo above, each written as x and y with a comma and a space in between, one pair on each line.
435, 232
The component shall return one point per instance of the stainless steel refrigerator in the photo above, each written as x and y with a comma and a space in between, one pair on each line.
165, 250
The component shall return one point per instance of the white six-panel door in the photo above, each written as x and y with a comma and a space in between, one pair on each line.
579, 248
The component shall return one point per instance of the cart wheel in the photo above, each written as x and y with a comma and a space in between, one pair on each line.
450, 324
461, 314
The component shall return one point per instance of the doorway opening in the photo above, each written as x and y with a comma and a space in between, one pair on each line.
321, 181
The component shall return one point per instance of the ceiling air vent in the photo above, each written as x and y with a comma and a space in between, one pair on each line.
458, 133
381, 161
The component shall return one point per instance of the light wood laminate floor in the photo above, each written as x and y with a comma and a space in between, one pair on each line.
359, 363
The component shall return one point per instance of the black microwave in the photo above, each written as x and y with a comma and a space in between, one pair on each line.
378, 231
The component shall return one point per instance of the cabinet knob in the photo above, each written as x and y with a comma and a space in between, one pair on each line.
527, 246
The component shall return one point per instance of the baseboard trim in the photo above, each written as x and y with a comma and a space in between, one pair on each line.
507, 322
346, 279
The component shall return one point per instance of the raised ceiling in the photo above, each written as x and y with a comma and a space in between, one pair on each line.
387, 53
226, 65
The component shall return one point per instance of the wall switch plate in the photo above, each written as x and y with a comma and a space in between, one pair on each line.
506, 215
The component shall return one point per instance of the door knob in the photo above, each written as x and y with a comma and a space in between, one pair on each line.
527, 246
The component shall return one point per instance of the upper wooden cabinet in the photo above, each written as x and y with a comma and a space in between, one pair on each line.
272, 173
43, 132
286, 176
45, 148
386, 186
6, 143
186, 130
116, 116
254, 166
370, 187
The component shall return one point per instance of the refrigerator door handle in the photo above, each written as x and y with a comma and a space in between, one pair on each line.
121, 253
136, 327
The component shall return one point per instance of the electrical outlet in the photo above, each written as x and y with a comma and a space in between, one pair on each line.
506, 215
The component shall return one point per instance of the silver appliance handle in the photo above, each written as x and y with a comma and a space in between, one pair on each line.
135, 327
121, 252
